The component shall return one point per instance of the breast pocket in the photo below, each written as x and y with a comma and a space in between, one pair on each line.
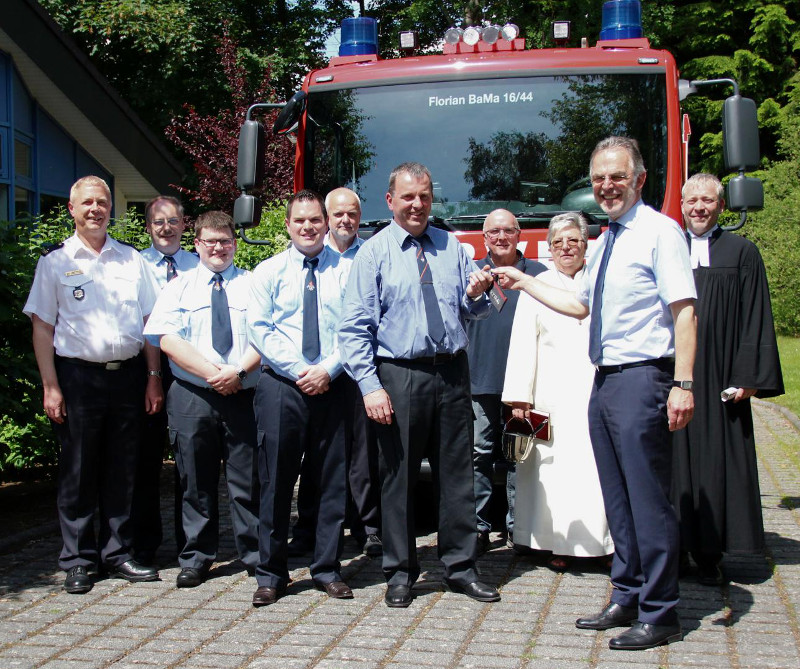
77, 291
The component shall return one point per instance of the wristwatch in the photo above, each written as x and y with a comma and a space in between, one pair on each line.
154, 372
683, 385
241, 373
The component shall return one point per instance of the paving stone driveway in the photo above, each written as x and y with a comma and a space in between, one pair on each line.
752, 622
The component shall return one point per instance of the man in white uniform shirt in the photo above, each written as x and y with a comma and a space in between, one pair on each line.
90, 298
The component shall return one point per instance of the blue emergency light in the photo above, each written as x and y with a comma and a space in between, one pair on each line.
359, 36
622, 19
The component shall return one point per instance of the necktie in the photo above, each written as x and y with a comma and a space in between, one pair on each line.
310, 316
221, 336
432, 313
595, 329
172, 272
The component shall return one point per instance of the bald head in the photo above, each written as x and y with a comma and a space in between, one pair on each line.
344, 217
501, 234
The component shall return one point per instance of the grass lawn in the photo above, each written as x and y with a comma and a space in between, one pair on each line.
789, 348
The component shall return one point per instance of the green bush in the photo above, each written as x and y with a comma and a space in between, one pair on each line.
776, 232
26, 438
272, 229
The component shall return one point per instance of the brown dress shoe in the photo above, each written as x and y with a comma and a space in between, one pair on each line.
267, 595
335, 589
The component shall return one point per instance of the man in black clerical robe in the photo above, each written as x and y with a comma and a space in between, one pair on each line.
715, 477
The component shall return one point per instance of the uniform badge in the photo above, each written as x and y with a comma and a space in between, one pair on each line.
78, 293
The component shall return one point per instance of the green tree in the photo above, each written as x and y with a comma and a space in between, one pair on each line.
160, 54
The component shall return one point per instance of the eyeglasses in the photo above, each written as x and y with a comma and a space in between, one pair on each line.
160, 222
599, 179
495, 234
570, 242
211, 244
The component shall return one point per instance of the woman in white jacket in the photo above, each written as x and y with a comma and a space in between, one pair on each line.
559, 505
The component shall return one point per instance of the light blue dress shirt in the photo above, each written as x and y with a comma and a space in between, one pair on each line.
350, 253
184, 261
275, 312
184, 309
648, 270
384, 313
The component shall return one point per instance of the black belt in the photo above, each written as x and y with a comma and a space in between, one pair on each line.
111, 365
436, 359
664, 364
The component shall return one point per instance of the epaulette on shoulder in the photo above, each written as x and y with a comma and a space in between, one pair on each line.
51, 248
119, 241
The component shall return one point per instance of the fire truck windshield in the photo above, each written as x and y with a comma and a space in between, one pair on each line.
522, 143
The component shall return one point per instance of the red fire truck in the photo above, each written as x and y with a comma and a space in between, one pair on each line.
498, 125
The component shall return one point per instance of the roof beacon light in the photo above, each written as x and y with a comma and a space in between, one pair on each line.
453, 35
472, 35
491, 33
359, 36
510, 31
622, 19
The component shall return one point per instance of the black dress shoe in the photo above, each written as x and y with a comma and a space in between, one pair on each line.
644, 635
267, 595
191, 577
398, 596
134, 572
475, 590
335, 589
78, 581
373, 546
614, 615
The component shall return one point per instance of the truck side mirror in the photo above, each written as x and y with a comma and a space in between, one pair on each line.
740, 134
250, 163
290, 114
246, 211
745, 194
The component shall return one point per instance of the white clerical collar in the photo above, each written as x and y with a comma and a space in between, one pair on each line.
699, 248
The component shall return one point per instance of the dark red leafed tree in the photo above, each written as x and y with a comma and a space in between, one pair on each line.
211, 142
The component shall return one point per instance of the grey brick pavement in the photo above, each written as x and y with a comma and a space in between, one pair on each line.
752, 622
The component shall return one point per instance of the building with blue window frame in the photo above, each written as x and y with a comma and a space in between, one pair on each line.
61, 120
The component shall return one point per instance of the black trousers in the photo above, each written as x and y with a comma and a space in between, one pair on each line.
433, 417
363, 514
293, 426
208, 429
97, 464
146, 508
633, 450
363, 477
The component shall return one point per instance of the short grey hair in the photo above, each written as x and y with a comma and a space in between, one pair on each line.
704, 178
89, 180
571, 219
631, 146
415, 170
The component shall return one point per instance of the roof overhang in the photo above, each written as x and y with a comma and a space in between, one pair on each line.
67, 85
